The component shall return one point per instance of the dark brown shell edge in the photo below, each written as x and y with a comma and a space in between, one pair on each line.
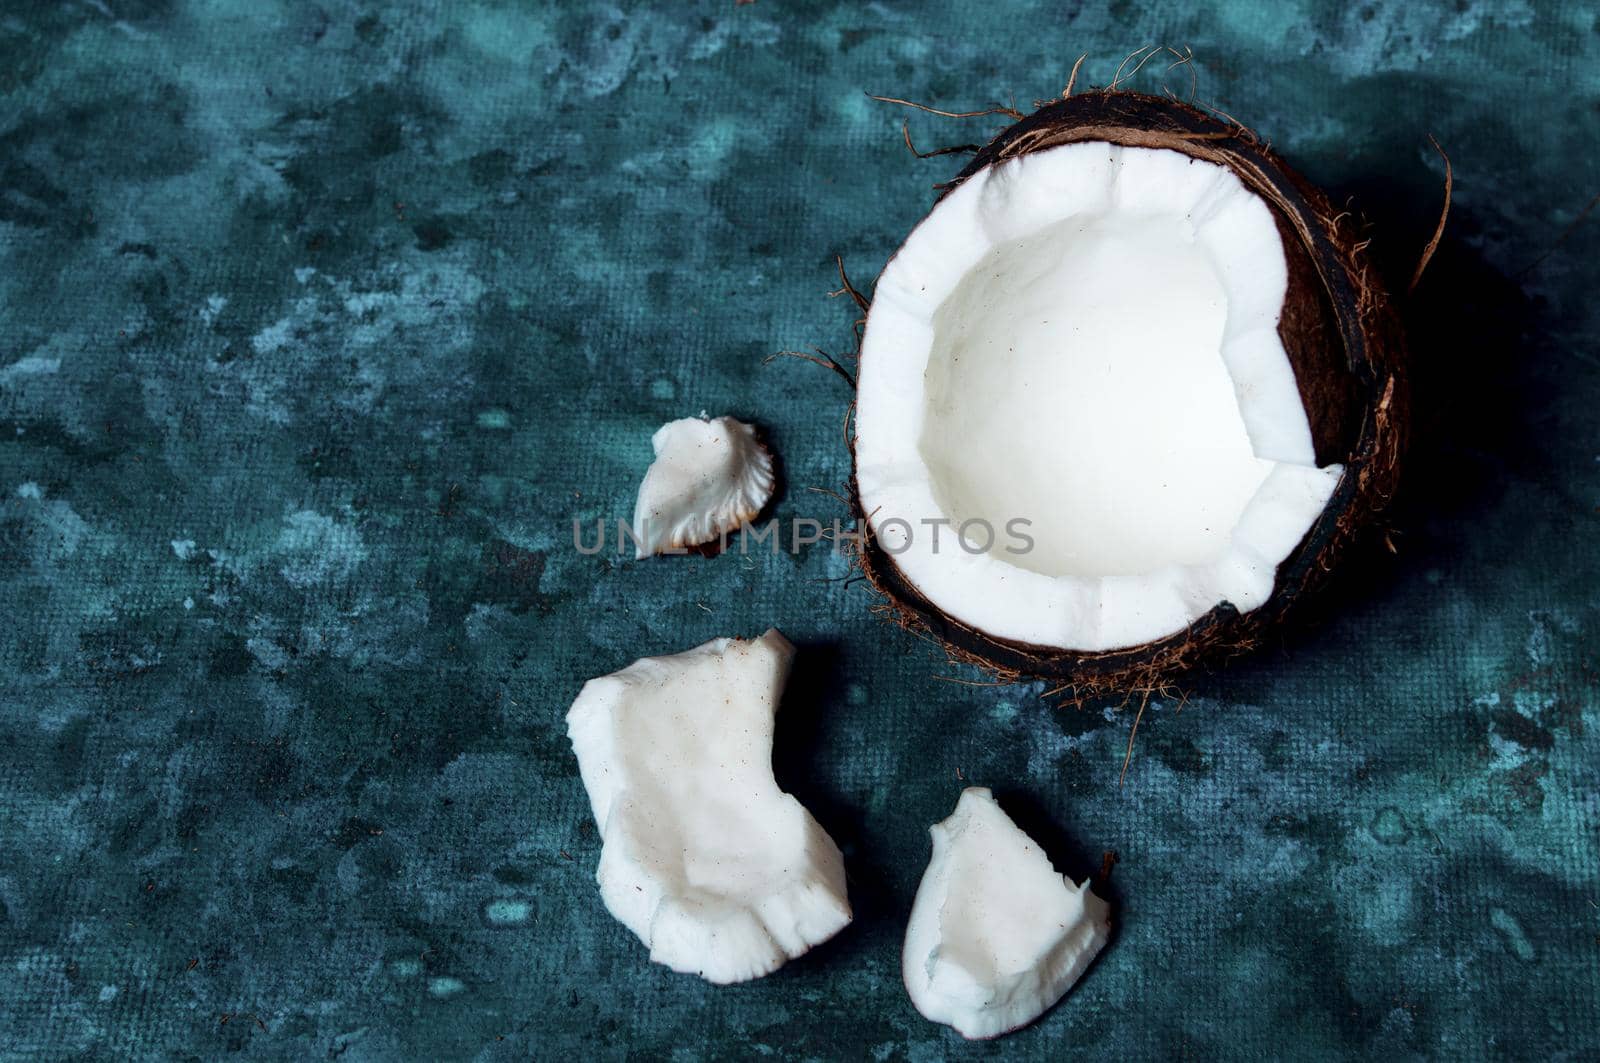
1358, 404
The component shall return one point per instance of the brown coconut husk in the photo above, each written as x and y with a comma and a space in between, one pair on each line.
1342, 336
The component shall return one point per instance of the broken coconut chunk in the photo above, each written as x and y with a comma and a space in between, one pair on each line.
996, 935
718, 871
710, 477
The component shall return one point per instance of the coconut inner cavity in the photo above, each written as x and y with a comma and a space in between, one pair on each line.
1076, 381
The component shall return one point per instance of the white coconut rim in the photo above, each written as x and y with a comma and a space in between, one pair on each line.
1170, 278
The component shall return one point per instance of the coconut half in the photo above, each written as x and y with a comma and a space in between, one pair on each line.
718, 871
996, 936
1123, 395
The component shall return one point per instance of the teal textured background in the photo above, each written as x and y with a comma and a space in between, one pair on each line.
320, 323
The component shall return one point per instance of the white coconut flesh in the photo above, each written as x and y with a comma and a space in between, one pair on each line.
996, 936
718, 871
1085, 339
709, 478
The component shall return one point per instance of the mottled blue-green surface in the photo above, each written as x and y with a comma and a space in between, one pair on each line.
319, 324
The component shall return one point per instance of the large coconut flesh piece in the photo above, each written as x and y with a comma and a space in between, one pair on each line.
1144, 366
718, 871
996, 936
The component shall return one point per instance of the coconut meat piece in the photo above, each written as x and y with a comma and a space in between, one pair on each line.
996, 936
709, 477
718, 871
1084, 340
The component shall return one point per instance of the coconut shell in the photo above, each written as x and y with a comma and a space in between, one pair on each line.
1342, 337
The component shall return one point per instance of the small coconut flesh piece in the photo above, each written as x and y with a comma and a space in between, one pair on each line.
709, 478
1139, 368
996, 935
719, 872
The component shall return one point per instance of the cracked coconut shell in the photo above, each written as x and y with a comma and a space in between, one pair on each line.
1338, 333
